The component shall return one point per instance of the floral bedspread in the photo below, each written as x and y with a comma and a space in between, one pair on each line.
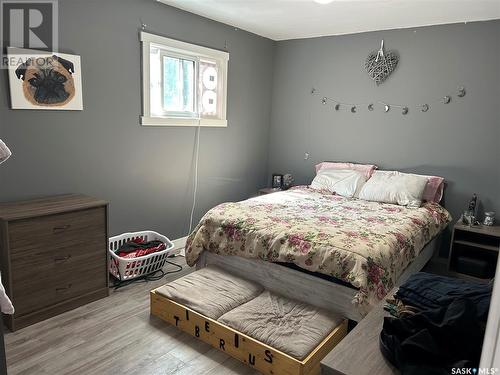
366, 244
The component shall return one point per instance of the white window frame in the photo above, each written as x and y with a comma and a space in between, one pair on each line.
188, 50
196, 60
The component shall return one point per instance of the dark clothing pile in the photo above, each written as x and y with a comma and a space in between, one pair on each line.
441, 326
425, 290
138, 247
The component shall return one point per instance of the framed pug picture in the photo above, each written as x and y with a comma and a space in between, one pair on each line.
44, 80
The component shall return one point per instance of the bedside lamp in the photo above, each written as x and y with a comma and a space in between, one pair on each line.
4, 152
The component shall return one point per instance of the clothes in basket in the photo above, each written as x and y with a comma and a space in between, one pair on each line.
138, 247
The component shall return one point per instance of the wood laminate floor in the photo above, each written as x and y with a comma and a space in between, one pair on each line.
115, 335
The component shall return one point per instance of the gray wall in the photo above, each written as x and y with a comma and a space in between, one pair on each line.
145, 173
459, 141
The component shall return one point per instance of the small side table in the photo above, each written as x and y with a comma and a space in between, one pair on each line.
474, 251
268, 190
359, 352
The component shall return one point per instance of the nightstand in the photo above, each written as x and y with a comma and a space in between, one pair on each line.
474, 251
265, 191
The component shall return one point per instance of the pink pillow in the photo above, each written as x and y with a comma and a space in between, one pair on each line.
434, 190
366, 169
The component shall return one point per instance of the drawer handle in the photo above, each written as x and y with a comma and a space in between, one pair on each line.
64, 289
60, 229
62, 260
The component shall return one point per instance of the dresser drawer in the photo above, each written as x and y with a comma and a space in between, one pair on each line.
39, 236
49, 263
45, 289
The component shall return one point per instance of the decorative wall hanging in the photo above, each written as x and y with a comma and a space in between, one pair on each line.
380, 64
386, 107
44, 80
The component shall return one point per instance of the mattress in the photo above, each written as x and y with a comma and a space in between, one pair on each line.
289, 326
366, 244
210, 291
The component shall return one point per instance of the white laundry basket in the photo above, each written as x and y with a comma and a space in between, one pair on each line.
131, 268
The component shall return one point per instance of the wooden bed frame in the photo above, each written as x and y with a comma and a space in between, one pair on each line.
302, 286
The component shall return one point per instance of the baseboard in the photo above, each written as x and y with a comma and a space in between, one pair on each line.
179, 245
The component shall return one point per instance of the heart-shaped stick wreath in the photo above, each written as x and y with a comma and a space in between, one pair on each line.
380, 64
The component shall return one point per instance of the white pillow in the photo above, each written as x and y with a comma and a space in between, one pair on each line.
394, 187
345, 182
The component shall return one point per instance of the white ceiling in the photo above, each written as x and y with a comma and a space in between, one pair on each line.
293, 19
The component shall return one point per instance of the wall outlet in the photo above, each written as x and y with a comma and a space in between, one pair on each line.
306, 156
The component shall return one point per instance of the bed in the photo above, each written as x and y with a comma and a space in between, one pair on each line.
369, 245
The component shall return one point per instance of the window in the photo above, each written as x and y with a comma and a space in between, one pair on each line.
183, 84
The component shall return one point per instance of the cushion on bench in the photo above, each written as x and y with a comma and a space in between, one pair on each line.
289, 326
210, 291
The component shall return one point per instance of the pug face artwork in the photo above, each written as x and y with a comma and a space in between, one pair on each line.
45, 81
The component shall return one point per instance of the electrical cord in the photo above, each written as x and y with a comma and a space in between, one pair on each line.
160, 274
195, 188
155, 276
